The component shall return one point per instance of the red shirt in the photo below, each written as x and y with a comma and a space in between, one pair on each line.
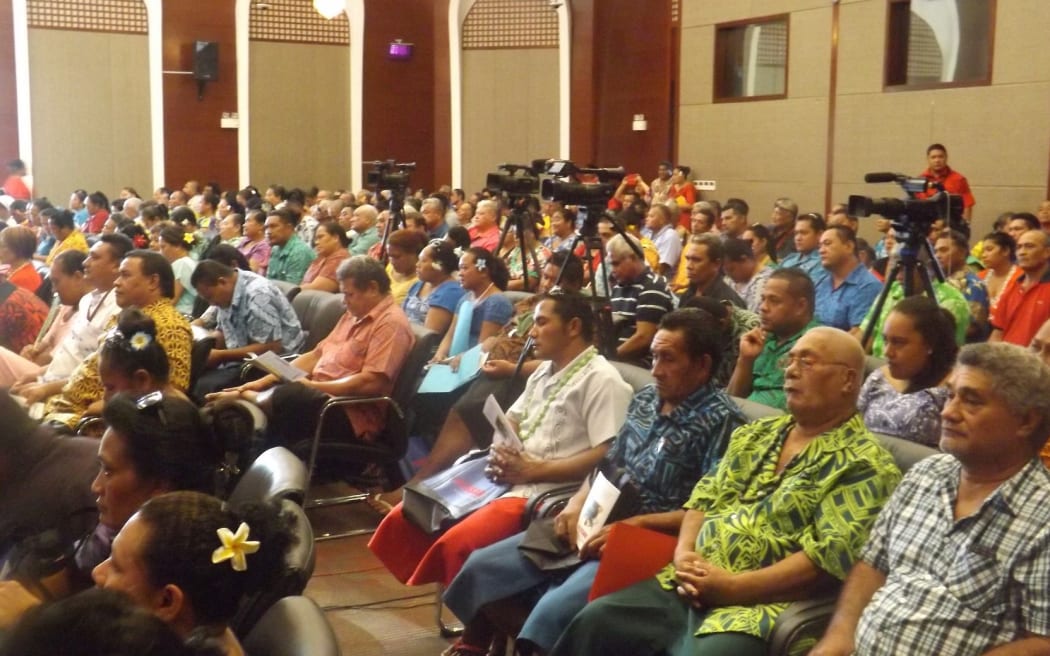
1020, 313
489, 240
16, 188
96, 221
954, 183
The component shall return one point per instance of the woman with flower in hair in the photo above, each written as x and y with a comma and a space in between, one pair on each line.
482, 312
190, 560
132, 360
433, 298
175, 244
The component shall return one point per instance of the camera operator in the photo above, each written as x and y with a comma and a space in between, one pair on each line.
938, 171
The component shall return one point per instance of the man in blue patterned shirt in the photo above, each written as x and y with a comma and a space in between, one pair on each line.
253, 317
675, 431
958, 562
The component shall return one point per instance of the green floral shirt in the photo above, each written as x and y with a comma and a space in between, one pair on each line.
948, 297
822, 504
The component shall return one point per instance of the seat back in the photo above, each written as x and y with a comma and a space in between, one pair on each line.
633, 375
289, 289
291, 580
754, 410
294, 626
199, 351
871, 363
276, 474
318, 313
905, 452
514, 296
406, 385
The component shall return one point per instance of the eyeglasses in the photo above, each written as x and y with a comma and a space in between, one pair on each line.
805, 362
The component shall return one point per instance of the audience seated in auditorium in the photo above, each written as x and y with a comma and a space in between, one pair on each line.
64, 230
483, 311
363, 231
289, 255
190, 560
732, 322
174, 244
786, 313
660, 228
330, 244
703, 257
152, 444
1025, 303
432, 300
572, 407
433, 211
952, 250
484, 227
465, 427
806, 254
674, 433
847, 290
639, 299
58, 339
536, 254
93, 622
17, 244
782, 228
1020, 223
361, 356
781, 518
253, 317
97, 206
702, 220
22, 315
905, 396
955, 562
734, 218
95, 314
998, 252
231, 229
947, 296
254, 245
145, 280
839, 216
402, 251
743, 272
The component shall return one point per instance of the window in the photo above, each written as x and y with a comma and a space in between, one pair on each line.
939, 43
751, 59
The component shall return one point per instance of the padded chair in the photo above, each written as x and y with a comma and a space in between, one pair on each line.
635, 376
754, 411
388, 447
289, 289
298, 568
318, 313
871, 363
275, 475
515, 295
294, 626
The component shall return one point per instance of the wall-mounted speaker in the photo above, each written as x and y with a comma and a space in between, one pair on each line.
206, 60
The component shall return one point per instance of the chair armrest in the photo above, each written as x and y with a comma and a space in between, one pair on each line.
246, 364
344, 401
803, 620
547, 503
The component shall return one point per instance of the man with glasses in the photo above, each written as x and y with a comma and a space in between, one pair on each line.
781, 518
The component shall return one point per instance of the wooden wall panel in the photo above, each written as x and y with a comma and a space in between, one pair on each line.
399, 96
195, 146
8, 89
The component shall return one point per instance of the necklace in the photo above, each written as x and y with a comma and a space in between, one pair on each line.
484, 293
582, 361
92, 311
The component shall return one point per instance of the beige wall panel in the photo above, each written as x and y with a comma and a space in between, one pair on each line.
709, 12
510, 109
1020, 32
90, 112
758, 150
809, 53
697, 65
300, 114
862, 46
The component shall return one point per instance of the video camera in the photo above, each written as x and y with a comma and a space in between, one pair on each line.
388, 174
516, 180
573, 191
911, 215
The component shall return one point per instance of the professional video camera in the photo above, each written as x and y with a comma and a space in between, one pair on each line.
388, 174
516, 180
911, 215
576, 185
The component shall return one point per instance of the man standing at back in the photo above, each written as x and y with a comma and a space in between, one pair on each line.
938, 171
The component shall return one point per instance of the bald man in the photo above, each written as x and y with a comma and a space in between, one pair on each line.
782, 518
